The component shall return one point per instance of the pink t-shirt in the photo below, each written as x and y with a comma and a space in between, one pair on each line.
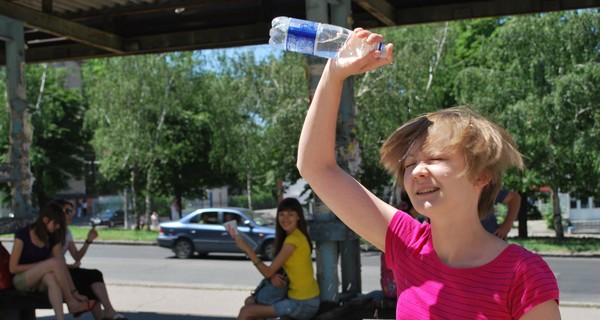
507, 287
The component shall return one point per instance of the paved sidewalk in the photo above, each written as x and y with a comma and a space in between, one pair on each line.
160, 302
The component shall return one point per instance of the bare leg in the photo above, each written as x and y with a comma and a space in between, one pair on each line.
54, 294
97, 312
256, 311
99, 289
52, 274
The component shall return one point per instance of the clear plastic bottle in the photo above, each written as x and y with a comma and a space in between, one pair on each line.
319, 39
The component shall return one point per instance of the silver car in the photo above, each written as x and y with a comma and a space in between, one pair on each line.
203, 231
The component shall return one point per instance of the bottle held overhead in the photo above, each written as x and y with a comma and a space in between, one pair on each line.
319, 39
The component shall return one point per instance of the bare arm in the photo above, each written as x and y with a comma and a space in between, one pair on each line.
356, 206
266, 270
13, 263
78, 254
513, 203
547, 310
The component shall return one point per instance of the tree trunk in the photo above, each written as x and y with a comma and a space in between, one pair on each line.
134, 200
557, 218
126, 208
148, 198
522, 217
249, 188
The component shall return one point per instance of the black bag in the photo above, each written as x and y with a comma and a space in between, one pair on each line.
267, 293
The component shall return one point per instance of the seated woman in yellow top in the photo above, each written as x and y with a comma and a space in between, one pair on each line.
292, 252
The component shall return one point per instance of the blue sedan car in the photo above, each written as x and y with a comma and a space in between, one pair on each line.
203, 231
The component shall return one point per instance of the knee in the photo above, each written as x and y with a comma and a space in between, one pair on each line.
250, 300
56, 262
244, 313
49, 279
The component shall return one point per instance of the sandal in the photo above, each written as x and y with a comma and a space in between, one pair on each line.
89, 305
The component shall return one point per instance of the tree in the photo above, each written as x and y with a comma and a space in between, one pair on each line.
538, 77
255, 130
59, 141
137, 112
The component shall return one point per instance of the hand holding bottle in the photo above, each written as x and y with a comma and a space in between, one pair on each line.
346, 67
319, 39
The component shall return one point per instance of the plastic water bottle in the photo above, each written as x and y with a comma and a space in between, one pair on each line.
319, 39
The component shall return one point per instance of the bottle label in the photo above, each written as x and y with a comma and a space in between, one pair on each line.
301, 36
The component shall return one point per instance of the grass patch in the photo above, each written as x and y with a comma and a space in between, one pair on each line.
549, 244
80, 233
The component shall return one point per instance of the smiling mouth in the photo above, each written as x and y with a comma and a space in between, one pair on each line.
426, 191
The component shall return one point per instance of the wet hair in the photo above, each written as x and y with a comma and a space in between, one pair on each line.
53, 212
289, 204
487, 148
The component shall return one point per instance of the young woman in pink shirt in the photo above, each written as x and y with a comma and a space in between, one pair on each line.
450, 163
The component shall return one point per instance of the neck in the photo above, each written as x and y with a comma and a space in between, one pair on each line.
462, 243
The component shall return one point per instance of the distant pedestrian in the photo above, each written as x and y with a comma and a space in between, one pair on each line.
154, 219
174, 210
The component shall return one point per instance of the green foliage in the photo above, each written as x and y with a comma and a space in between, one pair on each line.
538, 78
59, 142
153, 107
260, 200
255, 130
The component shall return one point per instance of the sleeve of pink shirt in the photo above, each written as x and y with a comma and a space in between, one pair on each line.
534, 283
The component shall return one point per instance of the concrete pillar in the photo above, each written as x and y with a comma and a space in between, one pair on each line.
11, 32
330, 234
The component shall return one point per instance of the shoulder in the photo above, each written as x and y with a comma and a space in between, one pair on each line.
530, 270
22, 233
295, 238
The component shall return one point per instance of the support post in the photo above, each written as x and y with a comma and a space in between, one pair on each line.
330, 234
11, 31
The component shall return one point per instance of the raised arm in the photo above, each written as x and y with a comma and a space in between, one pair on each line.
356, 206
78, 254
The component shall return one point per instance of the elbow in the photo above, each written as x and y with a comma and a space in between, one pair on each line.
302, 167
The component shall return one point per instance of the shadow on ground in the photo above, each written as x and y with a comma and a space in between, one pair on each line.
148, 316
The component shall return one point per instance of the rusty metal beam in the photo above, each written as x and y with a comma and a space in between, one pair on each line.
62, 28
380, 9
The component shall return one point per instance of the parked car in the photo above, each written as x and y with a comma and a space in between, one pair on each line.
109, 218
202, 231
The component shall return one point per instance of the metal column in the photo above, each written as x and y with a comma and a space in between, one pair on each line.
332, 237
11, 32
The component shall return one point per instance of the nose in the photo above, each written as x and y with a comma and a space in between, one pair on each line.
420, 170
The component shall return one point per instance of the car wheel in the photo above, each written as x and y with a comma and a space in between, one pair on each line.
268, 250
183, 249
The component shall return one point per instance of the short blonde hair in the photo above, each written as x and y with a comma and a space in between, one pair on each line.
487, 148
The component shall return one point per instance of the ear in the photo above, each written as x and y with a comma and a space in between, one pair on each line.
482, 181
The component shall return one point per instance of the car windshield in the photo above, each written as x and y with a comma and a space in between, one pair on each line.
107, 214
258, 219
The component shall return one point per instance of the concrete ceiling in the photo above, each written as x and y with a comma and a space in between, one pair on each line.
79, 29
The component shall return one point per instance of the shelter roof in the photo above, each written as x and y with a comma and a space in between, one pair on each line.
78, 29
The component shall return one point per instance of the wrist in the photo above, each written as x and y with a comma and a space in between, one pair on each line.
88, 241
